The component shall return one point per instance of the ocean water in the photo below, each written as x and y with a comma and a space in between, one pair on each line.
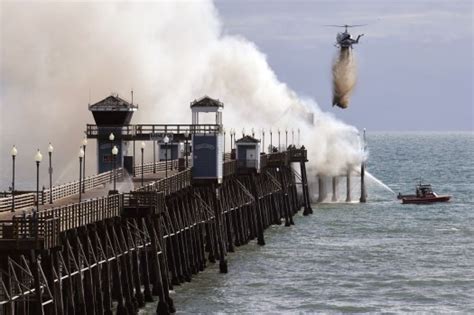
381, 256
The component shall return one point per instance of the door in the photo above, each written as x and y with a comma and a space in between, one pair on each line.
251, 158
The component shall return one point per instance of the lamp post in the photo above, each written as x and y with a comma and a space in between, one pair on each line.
50, 171
114, 153
298, 136
271, 141
111, 138
286, 138
38, 158
81, 156
142, 149
84, 144
279, 145
166, 140
186, 136
13, 153
134, 133
263, 139
224, 140
231, 143
154, 157
234, 137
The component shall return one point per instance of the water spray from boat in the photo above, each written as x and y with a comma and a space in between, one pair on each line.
378, 182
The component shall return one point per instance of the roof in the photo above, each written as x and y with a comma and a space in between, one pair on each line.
206, 101
113, 103
247, 139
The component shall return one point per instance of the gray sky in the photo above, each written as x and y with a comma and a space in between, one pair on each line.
415, 62
415, 66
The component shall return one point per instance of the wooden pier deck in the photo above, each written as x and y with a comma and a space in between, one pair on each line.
114, 253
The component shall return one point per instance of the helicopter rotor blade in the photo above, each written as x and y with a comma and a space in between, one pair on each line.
345, 25
356, 25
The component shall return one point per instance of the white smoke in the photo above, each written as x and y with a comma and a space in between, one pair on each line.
54, 54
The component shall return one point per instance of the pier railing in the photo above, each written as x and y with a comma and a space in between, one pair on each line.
80, 214
24, 232
43, 227
21, 201
72, 188
159, 167
297, 155
149, 132
144, 202
59, 191
171, 184
277, 159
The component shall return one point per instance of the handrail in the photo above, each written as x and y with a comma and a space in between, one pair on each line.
149, 131
171, 184
59, 191
90, 211
137, 199
159, 167
44, 231
21, 201
72, 188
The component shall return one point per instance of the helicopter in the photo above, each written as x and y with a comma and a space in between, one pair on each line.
345, 40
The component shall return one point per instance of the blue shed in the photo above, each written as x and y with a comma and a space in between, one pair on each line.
207, 141
248, 153
173, 153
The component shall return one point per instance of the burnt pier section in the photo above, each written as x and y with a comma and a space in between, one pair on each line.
114, 253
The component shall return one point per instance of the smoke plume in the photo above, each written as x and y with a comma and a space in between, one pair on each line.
66, 55
344, 75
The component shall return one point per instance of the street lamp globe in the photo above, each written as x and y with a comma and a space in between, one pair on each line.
14, 151
114, 150
50, 148
143, 145
38, 156
81, 153
111, 136
166, 139
84, 141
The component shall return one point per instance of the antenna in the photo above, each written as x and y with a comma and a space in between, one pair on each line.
132, 96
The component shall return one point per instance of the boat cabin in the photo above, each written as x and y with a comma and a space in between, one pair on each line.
424, 190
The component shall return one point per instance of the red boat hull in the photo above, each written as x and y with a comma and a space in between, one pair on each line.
423, 200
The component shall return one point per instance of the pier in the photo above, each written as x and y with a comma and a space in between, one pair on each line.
92, 247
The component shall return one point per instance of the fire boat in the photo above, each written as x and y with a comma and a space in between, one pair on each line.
424, 194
